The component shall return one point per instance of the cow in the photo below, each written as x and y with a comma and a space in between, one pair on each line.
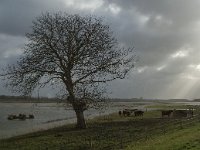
120, 113
166, 113
126, 112
190, 113
180, 113
138, 113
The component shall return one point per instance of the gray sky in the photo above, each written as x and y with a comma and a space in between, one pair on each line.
166, 35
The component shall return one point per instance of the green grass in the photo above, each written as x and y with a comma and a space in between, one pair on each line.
111, 132
188, 138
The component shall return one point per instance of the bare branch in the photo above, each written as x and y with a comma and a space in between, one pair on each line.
79, 53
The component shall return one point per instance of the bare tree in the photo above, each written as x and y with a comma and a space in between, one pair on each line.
78, 53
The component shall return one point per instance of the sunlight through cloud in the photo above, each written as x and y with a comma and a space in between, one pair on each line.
196, 67
141, 69
85, 4
114, 9
161, 68
180, 54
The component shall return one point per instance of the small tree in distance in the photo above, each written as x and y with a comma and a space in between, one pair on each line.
78, 53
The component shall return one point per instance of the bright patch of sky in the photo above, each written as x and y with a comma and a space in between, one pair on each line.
160, 68
180, 54
90, 5
196, 67
114, 9
141, 69
162, 21
183, 52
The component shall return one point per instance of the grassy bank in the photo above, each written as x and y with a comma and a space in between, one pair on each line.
114, 132
183, 139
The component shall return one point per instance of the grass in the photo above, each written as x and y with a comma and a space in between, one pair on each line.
188, 138
113, 132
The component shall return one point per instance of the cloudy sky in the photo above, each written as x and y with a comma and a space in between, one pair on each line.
166, 35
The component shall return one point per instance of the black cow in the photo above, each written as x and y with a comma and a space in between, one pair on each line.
126, 112
120, 113
181, 113
138, 113
166, 113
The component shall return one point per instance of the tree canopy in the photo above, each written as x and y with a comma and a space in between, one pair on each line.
79, 53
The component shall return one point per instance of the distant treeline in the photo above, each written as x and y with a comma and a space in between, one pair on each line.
131, 100
149, 100
196, 100
6, 98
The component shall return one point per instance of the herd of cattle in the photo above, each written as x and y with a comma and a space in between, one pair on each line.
164, 113
129, 112
178, 113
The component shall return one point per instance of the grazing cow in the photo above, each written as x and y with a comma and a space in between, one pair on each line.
138, 113
126, 112
166, 113
133, 110
120, 113
190, 113
180, 113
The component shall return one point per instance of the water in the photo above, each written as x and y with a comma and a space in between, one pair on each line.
43, 113
47, 115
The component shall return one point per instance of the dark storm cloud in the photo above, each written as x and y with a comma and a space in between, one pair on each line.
16, 16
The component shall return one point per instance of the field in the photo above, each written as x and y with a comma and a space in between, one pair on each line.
149, 132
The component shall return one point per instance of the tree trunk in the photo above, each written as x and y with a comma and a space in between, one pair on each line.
80, 119
79, 108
